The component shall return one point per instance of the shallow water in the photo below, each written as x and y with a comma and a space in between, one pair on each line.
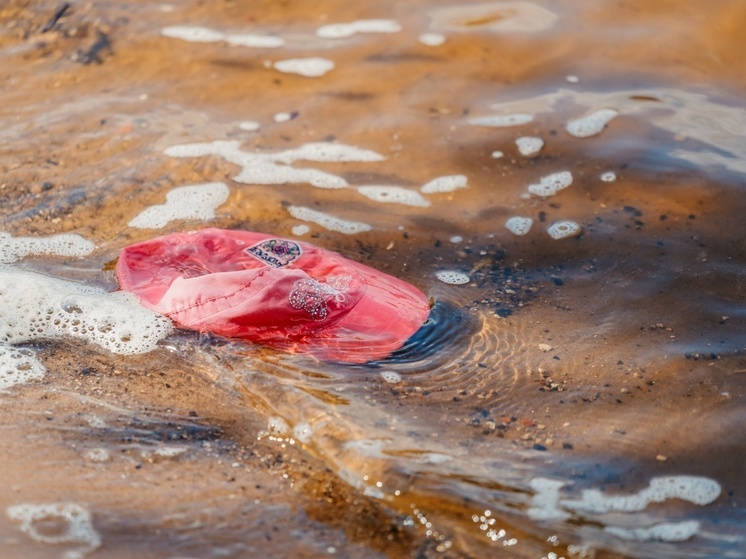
610, 360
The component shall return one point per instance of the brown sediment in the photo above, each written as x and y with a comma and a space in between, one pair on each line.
642, 313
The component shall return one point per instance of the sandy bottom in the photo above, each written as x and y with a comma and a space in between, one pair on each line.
602, 361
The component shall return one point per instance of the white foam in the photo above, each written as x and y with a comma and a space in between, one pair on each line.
529, 145
97, 455
456, 239
391, 377
452, 277
249, 125
303, 432
78, 526
277, 426
502, 121
445, 184
193, 34
18, 366
38, 307
545, 503
343, 30
300, 230
13, 249
169, 451
551, 184
185, 202
328, 221
591, 124
497, 154
432, 39
608, 176
274, 168
496, 17
519, 225
282, 117
694, 489
572, 78
313, 67
561, 229
393, 195
255, 41
665, 531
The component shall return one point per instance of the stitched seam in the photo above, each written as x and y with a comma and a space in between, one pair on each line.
218, 297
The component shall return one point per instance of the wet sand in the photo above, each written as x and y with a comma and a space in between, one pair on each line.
601, 361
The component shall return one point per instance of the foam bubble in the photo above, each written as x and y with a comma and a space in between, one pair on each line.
302, 432
591, 124
519, 225
343, 30
456, 239
497, 154
18, 366
300, 230
328, 221
529, 145
432, 39
502, 121
572, 78
444, 184
393, 195
169, 451
255, 41
608, 176
694, 489
13, 249
249, 125
551, 184
193, 34
78, 526
277, 426
283, 117
665, 531
274, 168
545, 503
313, 67
38, 307
561, 229
97, 455
185, 202
391, 377
452, 277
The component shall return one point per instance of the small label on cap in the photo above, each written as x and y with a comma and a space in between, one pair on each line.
275, 252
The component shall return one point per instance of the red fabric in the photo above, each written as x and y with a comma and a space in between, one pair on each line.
279, 292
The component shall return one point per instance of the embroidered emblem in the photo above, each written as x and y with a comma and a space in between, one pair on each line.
313, 296
275, 252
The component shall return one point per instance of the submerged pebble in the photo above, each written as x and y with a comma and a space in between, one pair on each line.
562, 229
185, 202
591, 124
452, 277
519, 225
313, 67
327, 221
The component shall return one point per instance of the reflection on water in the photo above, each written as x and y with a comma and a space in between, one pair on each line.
566, 184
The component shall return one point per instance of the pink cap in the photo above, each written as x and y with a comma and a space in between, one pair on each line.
279, 292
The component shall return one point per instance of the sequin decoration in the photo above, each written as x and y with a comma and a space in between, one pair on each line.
275, 252
313, 296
